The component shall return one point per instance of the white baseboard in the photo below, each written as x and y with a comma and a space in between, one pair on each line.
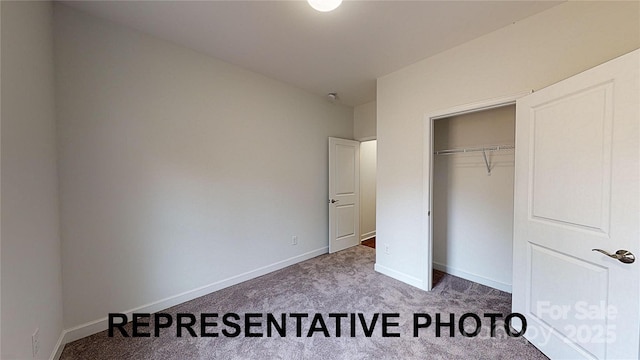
92, 327
407, 279
57, 350
473, 277
367, 236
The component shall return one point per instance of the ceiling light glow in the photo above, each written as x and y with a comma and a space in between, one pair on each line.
324, 5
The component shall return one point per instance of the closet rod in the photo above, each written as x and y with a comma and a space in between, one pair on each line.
475, 149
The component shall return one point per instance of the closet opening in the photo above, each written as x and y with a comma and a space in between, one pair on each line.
472, 180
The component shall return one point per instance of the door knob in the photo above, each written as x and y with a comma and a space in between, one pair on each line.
333, 201
624, 256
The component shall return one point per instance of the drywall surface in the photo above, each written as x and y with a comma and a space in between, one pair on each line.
0, 190
472, 208
367, 189
177, 170
530, 54
364, 121
31, 269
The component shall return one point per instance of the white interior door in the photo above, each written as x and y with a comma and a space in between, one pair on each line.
344, 194
577, 189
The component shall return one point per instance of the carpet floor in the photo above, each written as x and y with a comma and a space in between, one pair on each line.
344, 282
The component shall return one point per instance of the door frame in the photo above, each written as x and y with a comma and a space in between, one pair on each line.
427, 170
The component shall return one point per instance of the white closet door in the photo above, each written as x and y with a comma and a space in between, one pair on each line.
577, 189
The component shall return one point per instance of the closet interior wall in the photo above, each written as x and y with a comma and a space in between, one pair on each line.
472, 208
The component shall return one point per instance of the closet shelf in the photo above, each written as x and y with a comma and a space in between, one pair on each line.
483, 149
475, 149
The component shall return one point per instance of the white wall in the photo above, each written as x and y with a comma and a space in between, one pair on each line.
367, 189
364, 121
0, 188
31, 269
531, 54
179, 171
473, 211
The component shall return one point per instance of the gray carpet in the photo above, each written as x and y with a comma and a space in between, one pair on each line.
344, 282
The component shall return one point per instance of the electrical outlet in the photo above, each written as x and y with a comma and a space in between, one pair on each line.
35, 342
294, 240
386, 249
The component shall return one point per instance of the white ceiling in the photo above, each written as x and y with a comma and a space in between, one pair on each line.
343, 51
